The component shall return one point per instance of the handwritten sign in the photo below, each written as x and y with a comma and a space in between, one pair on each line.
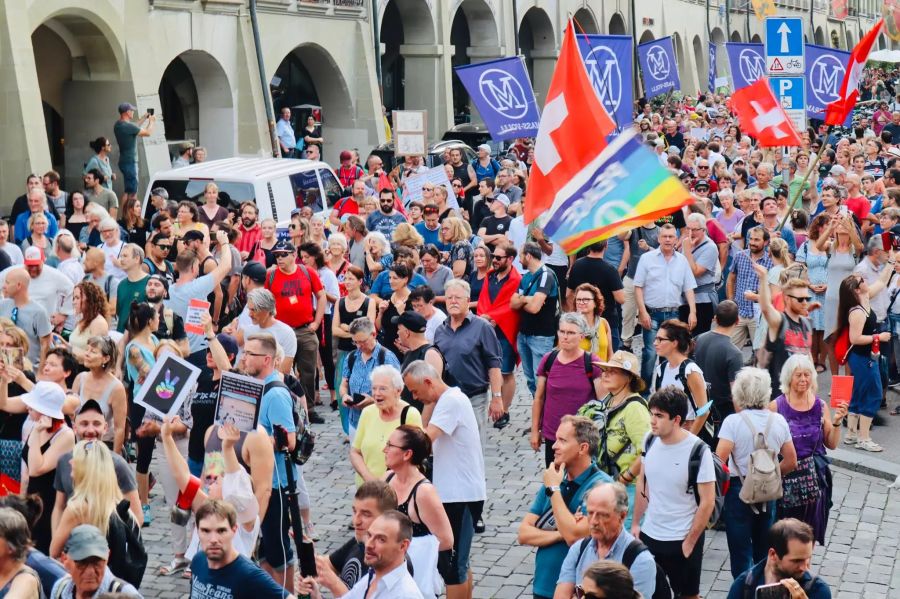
193, 319
436, 176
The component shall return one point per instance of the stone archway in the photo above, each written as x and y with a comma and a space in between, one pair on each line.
820, 36
79, 68
647, 36
197, 104
617, 25
756, 39
736, 36
310, 75
474, 37
699, 60
538, 45
683, 72
585, 18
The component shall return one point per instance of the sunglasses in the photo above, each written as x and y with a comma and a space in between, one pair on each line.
801, 299
580, 593
164, 246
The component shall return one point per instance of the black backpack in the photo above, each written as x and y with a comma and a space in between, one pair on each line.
707, 433
380, 355
662, 591
588, 367
306, 439
127, 556
749, 589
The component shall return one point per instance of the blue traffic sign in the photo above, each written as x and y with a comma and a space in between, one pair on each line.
791, 93
784, 45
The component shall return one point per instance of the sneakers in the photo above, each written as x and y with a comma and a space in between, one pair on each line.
310, 531
148, 516
869, 445
502, 422
851, 439
479, 526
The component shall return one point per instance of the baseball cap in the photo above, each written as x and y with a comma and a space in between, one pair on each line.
701, 183
91, 405
284, 246
86, 541
229, 343
485, 147
126, 106
34, 256
413, 321
163, 281
346, 155
254, 271
47, 398
502, 198
192, 235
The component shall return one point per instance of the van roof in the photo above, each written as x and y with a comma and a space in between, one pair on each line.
241, 169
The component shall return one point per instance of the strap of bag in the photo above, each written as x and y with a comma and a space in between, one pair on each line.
634, 549
403, 414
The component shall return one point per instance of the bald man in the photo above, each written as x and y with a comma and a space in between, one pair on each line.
29, 316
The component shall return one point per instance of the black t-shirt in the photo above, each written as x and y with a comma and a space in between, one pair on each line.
676, 140
176, 334
495, 226
675, 219
348, 560
894, 130
203, 413
748, 223
601, 274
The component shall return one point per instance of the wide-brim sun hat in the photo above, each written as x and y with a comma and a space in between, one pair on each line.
47, 398
628, 362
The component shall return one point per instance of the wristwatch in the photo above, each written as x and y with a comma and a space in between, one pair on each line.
549, 491
496, 394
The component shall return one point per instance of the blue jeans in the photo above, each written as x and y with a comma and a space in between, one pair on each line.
746, 532
648, 354
531, 349
129, 176
195, 467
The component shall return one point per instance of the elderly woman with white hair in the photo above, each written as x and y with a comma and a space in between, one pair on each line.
89, 236
807, 490
378, 255
747, 525
378, 421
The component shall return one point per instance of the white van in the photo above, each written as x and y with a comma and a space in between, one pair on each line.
276, 185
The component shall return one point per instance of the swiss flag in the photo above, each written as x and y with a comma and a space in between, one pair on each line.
836, 112
572, 132
761, 115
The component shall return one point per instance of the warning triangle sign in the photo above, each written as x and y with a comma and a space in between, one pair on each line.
776, 66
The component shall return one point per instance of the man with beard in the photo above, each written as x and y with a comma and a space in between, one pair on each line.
157, 261
388, 541
790, 550
250, 232
607, 508
743, 285
171, 325
385, 219
219, 570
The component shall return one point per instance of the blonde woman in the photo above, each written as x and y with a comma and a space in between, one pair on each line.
405, 235
97, 501
455, 233
38, 224
210, 211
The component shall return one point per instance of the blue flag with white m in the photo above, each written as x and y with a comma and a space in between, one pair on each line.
609, 60
659, 67
502, 92
746, 62
825, 68
712, 67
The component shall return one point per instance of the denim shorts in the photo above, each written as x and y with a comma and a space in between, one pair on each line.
275, 546
129, 176
507, 354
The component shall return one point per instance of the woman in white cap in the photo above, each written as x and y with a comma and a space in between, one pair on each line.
623, 420
46, 438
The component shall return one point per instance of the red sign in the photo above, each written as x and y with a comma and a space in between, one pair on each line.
839, 9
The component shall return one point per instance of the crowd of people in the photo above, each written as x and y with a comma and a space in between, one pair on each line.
672, 370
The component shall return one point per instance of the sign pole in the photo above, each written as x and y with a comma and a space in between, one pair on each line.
812, 164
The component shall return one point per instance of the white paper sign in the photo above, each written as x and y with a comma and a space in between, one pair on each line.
436, 176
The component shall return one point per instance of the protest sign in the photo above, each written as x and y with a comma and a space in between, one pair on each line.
238, 402
192, 321
167, 385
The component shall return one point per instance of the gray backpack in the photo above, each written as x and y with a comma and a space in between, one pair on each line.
762, 482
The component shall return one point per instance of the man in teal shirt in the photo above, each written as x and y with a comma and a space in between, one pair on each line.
126, 133
550, 524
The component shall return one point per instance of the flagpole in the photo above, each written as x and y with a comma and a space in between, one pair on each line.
817, 156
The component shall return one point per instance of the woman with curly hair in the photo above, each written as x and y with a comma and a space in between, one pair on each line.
405, 235
89, 302
589, 303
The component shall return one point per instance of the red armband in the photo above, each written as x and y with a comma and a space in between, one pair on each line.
186, 498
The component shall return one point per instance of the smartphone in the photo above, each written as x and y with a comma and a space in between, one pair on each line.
887, 241
151, 111
895, 242
14, 356
308, 559
358, 397
844, 211
772, 591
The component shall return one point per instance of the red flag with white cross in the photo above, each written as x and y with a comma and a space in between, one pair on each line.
572, 132
761, 116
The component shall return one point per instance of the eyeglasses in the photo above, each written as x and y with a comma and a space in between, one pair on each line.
164, 246
495, 257
107, 230
400, 447
358, 342
583, 300
661, 339
801, 299
563, 333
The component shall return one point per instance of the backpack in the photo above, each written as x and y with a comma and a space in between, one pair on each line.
107, 283
306, 439
588, 367
380, 355
127, 556
115, 586
763, 480
708, 432
662, 589
723, 476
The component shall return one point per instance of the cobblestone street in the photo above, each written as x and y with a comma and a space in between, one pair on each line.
859, 560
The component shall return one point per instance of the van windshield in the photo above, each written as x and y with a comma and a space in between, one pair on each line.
231, 194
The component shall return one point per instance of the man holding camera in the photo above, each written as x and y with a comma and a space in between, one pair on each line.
126, 133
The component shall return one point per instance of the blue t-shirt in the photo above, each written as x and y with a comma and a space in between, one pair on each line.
48, 570
180, 297
615, 249
428, 235
277, 407
382, 284
21, 225
241, 579
384, 223
549, 559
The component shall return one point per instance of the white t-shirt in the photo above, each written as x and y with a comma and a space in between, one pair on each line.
734, 429
671, 507
436, 320
458, 457
670, 377
51, 289
283, 334
14, 252
330, 283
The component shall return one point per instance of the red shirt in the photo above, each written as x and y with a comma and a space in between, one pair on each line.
294, 295
859, 206
347, 206
350, 174
249, 238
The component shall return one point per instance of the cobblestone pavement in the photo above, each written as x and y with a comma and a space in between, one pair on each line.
858, 561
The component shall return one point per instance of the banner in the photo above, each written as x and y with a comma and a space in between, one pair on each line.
746, 63
712, 67
839, 9
502, 92
825, 68
763, 8
659, 67
608, 199
609, 60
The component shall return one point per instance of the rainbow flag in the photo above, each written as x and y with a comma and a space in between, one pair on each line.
627, 188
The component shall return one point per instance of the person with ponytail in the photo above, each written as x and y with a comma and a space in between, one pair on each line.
607, 579
143, 319
100, 161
